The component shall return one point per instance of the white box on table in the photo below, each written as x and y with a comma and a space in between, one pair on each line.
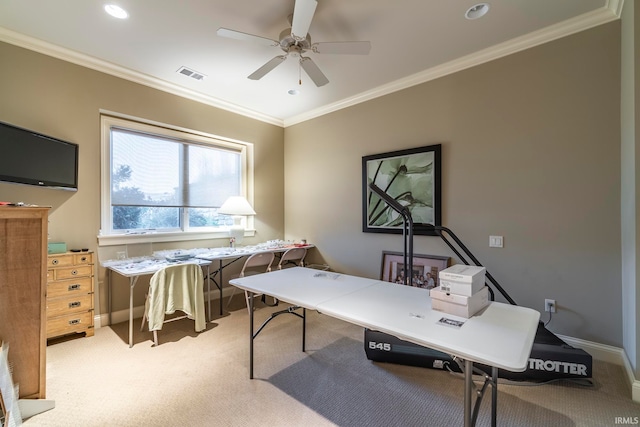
459, 305
462, 279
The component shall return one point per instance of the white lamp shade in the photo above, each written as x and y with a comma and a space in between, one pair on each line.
236, 205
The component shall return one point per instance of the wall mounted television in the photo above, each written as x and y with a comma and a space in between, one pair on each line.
27, 157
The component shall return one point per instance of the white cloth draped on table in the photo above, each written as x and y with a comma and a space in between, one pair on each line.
177, 287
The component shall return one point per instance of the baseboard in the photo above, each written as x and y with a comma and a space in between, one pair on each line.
609, 354
606, 353
635, 384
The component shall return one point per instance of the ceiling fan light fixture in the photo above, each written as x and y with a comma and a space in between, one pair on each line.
116, 11
296, 41
477, 11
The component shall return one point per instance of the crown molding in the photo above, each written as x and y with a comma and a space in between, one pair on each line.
583, 22
106, 67
611, 11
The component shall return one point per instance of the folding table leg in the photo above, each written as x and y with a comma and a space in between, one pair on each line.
132, 284
468, 387
304, 328
250, 294
494, 396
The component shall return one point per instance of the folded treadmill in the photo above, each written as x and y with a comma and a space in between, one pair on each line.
551, 358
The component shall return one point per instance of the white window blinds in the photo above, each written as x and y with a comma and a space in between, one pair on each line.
152, 170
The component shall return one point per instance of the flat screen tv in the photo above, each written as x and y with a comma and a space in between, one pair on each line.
27, 157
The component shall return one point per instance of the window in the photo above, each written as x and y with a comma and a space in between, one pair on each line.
161, 183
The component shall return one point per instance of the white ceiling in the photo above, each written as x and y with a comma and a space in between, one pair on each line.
412, 41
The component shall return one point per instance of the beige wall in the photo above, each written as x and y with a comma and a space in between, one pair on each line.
63, 100
531, 151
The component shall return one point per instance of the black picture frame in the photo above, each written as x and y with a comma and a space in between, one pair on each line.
413, 178
391, 269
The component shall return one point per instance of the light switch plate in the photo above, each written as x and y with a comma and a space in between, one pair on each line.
495, 241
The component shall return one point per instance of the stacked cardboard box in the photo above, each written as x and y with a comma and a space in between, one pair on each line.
462, 291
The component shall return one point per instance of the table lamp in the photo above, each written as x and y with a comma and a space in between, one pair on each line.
239, 207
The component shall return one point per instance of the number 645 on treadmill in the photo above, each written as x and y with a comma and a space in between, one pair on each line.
385, 346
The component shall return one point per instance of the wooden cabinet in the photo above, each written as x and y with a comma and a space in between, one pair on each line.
23, 278
70, 294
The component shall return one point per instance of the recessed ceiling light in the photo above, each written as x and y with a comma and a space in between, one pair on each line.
477, 11
116, 11
293, 92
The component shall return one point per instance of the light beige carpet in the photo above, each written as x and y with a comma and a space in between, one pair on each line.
203, 380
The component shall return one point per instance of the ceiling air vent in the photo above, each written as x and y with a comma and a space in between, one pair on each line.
191, 73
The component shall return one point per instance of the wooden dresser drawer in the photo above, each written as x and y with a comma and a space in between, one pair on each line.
71, 272
61, 288
74, 322
71, 304
83, 258
59, 260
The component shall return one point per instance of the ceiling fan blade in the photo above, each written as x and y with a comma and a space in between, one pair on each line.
262, 71
313, 71
302, 15
232, 34
347, 48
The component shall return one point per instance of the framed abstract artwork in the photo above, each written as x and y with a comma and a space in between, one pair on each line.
412, 178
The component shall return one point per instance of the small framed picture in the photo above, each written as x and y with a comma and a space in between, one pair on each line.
426, 269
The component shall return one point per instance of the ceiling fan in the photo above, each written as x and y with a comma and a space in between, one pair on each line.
295, 41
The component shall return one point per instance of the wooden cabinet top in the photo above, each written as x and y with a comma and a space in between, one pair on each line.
23, 211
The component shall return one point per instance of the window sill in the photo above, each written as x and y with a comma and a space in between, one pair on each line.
152, 237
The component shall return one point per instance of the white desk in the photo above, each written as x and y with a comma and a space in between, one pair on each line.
135, 268
501, 336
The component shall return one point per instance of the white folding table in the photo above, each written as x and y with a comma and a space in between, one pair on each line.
501, 336
147, 265
228, 256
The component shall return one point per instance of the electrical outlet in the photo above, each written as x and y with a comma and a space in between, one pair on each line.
550, 305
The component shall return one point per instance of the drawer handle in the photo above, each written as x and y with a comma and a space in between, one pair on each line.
83, 259
74, 304
74, 272
74, 322
54, 261
74, 287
